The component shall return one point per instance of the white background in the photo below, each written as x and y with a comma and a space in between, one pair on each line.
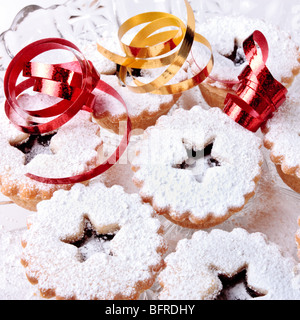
10, 8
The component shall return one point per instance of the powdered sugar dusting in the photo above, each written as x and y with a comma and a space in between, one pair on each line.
165, 147
136, 103
74, 148
223, 31
283, 133
13, 282
13, 135
192, 271
134, 250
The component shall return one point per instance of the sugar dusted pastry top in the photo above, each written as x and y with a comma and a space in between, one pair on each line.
283, 136
121, 270
73, 148
193, 271
137, 104
224, 31
223, 187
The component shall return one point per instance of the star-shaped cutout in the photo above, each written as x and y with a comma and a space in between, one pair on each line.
34, 145
236, 288
199, 161
92, 242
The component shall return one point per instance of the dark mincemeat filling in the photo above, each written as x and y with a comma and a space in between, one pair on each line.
230, 283
34, 145
91, 242
236, 56
91, 234
197, 155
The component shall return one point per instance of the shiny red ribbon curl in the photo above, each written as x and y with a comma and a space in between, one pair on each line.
258, 94
73, 82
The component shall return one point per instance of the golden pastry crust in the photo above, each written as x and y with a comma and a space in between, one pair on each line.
290, 179
214, 96
25, 196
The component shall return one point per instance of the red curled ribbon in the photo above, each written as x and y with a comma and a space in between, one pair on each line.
258, 94
73, 82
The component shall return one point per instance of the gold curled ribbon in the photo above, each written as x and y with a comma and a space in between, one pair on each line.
151, 49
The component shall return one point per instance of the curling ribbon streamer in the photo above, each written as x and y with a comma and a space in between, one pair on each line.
258, 94
150, 50
73, 82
